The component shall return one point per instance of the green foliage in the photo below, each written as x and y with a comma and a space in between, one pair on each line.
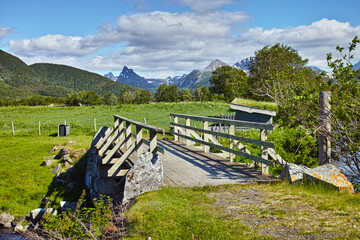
83, 223
185, 95
256, 104
78, 80
230, 82
83, 98
202, 94
167, 93
110, 99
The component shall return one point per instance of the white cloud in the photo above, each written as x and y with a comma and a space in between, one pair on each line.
5, 31
52, 45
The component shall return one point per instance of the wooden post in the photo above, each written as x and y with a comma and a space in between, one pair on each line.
139, 149
147, 131
264, 153
13, 129
39, 129
187, 131
128, 134
95, 125
206, 136
324, 147
232, 142
176, 129
153, 142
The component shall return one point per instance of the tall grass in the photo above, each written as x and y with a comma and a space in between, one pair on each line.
81, 119
256, 104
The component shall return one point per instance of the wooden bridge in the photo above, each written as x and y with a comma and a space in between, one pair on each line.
183, 163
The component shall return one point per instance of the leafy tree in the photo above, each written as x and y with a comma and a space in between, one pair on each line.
126, 97
185, 95
229, 81
143, 97
202, 94
110, 99
279, 74
167, 93
89, 98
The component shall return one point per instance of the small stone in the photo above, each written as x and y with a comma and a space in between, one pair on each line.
6, 219
56, 169
67, 158
64, 205
47, 163
62, 152
54, 149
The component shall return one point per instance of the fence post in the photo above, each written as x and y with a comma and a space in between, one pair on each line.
187, 131
324, 147
206, 136
176, 129
264, 153
232, 142
39, 129
13, 129
95, 124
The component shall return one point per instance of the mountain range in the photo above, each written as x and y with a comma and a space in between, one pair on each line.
18, 80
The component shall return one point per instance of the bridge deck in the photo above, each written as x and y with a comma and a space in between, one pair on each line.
189, 167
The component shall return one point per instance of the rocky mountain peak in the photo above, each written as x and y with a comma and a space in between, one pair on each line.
214, 65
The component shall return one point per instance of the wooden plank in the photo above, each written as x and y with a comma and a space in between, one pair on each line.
264, 153
108, 133
109, 141
139, 148
220, 134
120, 173
236, 152
231, 142
241, 147
110, 153
118, 161
140, 124
267, 126
147, 143
276, 157
206, 137
213, 139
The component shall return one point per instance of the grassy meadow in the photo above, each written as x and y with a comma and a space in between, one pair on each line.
24, 182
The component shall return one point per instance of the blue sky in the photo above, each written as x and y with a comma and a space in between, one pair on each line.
159, 38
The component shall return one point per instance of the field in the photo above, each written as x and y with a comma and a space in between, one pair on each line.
23, 181
81, 119
251, 211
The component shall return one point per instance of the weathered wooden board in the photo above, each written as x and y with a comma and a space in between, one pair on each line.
189, 167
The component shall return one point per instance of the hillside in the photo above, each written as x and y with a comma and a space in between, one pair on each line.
18, 80
78, 80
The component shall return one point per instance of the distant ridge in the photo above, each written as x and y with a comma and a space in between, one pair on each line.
18, 80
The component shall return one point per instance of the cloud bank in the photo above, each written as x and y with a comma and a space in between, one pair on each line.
162, 43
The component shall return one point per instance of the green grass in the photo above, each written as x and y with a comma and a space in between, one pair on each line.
81, 119
183, 213
23, 181
257, 104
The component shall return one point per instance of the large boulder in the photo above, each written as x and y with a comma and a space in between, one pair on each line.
146, 175
328, 174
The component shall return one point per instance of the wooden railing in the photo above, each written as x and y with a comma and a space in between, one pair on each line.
208, 138
120, 143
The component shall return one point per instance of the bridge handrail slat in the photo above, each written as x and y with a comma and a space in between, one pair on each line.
140, 124
267, 126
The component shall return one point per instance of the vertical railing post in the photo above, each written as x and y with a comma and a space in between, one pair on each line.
324, 147
187, 131
232, 142
128, 134
153, 142
264, 153
139, 149
176, 129
206, 136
